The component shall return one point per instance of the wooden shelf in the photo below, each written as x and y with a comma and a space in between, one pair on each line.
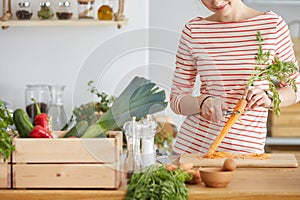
81, 22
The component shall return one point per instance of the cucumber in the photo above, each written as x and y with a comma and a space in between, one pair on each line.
78, 129
22, 122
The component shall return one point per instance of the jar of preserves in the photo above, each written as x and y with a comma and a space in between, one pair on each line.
46, 11
86, 9
41, 94
64, 11
24, 12
105, 12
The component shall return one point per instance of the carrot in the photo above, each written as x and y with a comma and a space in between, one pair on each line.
196, 176
186, 166
171, 167
238, 111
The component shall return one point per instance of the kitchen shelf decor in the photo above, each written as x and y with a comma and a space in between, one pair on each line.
6, 20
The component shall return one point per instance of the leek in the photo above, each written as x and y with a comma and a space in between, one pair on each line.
139, 98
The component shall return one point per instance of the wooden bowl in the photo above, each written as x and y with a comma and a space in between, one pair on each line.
215, 178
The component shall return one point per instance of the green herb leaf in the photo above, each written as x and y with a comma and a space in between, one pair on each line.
6, 133
276, 71
156, 182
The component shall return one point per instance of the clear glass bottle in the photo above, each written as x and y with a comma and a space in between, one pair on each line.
41, 94
56, 110
45, 11
133, 160
86, 9
105, 12
24, 11
64, 10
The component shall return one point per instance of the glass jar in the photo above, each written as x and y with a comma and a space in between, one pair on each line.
41, 94
85, 9
64, 11
24, 11
46, 11
56, 111
105, 12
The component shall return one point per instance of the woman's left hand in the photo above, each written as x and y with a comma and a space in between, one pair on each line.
257, 97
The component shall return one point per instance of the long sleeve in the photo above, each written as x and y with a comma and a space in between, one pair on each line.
185, 71
284, 50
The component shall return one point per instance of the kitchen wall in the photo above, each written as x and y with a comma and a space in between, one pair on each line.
72, 56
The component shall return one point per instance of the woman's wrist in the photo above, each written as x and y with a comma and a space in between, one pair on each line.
203, 100
270, 96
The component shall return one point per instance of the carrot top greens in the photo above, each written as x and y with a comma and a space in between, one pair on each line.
274, 72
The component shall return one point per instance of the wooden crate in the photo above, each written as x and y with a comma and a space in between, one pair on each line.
288, 123
68, 162
5, 173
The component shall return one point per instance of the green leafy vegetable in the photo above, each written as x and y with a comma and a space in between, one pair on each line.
157, 183
6, 138
275, 72
105, 100
140, 97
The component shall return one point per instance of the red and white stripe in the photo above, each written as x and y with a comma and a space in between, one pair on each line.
223, 55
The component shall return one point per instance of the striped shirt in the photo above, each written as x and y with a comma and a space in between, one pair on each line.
223, 55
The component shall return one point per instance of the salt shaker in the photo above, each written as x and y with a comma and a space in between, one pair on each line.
147, 136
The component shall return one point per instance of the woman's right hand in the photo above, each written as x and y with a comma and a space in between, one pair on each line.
212, 109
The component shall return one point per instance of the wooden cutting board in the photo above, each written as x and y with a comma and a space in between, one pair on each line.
276, 160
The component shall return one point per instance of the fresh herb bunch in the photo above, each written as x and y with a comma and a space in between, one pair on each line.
157, 183
105, 100
275, 72
6, 132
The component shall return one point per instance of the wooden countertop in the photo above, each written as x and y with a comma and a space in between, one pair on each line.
247, 183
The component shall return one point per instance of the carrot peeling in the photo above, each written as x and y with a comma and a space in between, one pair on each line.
238, 111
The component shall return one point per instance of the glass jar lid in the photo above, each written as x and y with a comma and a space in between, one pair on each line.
86, 1
24, 4
64, 4
46, 4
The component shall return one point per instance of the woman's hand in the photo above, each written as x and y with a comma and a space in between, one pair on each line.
212, 109
257, 97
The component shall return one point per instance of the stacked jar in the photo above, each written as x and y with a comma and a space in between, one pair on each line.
86, 9
64, 10
46, 11
24, 12
105, 12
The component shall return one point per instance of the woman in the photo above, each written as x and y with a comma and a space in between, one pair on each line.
221, 49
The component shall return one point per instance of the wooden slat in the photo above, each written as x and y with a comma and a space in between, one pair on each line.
5, 173
285, 131
62, 23
287, 120
65, 176
66, 150
287, 124
295, 108
296, 42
